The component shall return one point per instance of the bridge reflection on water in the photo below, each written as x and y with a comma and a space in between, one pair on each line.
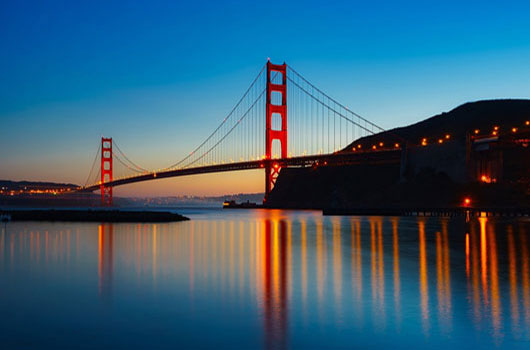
303, 277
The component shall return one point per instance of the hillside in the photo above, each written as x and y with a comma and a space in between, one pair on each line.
479, 115
423, 182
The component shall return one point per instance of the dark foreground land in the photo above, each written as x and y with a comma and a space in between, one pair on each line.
442, 164
90, 215
432, 211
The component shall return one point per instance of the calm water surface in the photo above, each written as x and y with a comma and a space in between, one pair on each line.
267, 279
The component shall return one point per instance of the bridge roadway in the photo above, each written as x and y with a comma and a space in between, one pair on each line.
372, 157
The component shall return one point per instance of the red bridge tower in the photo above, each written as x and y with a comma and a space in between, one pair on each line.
106, 171
275, 110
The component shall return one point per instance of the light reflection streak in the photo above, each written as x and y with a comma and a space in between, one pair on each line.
525, 273
2, 244
12, 250
495, 298
356, 269
303, 257
275, 262
443, 277
241, 275
37, 251
46, 246
377, 270
373, 260
424, 288
397, 281
381, 269
154, 254
77, 243
467, 255
60, 245
213, 262
31, 245
320, 261
105, 259
231, 252
289, 259
484, 258
205, 251
100, 255
191, 258
222, 263
512, 275
358, 259
275, 273
337, 264
475, 276
68, 232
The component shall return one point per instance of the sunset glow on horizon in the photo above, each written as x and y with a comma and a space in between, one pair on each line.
159, 78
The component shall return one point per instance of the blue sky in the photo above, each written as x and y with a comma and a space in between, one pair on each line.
158, 76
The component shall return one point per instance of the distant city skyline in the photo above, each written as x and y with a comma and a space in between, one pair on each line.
159, 77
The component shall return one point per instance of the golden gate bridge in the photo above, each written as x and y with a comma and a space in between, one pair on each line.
261, 131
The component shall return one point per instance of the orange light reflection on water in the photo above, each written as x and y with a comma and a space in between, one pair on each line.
424, 288
280, 265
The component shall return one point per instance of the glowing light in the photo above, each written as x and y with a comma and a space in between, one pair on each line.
514, 129
447, 136
440, 141
424, 142
380, 144
494, 133
396, 145
467, 201
527, 122
487, 179
495, 128
276, 166
359, 146
477, 131
374, 147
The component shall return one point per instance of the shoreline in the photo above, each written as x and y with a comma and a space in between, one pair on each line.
419, 211
91, 215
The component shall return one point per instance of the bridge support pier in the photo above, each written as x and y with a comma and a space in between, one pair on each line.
106, 171
274, 109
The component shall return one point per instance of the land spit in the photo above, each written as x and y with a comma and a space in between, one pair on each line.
90, 215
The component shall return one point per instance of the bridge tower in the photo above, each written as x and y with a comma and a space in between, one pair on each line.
275, 110
106, 171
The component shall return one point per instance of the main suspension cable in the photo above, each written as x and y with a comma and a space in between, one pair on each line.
224, 121
93, 164
333, 100
126, 158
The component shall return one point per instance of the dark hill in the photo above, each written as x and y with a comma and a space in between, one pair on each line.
17, 185
435, 175
480, 115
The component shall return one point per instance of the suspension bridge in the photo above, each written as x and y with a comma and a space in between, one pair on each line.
261, 131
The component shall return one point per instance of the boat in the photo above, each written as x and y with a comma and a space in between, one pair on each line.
245, 205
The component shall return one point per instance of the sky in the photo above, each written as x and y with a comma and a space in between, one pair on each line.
158, 77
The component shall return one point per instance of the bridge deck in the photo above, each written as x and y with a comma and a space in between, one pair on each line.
378, 157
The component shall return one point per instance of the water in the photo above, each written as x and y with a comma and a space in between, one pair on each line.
267, 279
